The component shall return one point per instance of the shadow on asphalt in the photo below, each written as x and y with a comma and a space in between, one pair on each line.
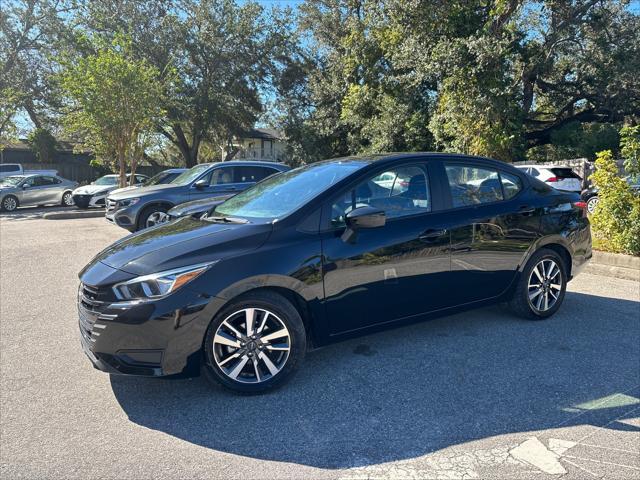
410, 391
30, 213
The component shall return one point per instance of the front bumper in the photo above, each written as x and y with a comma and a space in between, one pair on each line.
89, 201
149, 338
124, 217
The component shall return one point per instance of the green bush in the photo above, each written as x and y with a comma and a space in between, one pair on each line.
616, 220
43, 144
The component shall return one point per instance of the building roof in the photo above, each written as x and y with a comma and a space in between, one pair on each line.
264, 133
61, 146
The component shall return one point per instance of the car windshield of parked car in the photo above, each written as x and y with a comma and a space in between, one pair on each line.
190, 175
107, 180
281, 194
10, 181
156, 179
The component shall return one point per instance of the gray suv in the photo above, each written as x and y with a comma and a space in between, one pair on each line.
145, 207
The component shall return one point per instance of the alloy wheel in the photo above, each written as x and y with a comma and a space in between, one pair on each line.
591, 204
545, 285
251, 345
156, 218
67, 199
9, 204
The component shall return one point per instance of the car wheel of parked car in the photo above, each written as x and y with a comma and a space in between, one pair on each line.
541, 287
255, 343
151, 216
591, 204
67, 199
9, 203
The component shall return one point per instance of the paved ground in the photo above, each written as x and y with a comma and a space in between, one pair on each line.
476, 395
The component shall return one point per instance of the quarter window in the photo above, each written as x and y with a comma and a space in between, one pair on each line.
401, 192
473, 186
511, 185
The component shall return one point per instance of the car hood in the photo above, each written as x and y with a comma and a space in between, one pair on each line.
186, 241
124, 193
197, 206
7, 188
93, 189
125, 189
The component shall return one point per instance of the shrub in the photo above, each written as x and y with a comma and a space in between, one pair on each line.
616, 220
43, 144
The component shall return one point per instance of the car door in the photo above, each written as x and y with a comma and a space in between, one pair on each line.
219, 181
51, 189
492, 226
33, 191
387, 273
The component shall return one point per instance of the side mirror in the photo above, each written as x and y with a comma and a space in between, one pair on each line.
362, 218
200, 184
25, 185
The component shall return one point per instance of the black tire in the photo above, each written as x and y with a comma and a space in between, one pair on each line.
521, 304
66, 196
9, 203
146, 213
286, 314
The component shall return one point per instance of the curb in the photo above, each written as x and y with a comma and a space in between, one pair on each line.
74, 214
616, 265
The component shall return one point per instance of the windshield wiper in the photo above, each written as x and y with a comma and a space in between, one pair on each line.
227, 220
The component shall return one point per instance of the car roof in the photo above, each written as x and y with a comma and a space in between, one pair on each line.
174, 170
249, 163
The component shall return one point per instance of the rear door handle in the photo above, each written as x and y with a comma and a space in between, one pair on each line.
431, 235
526, 210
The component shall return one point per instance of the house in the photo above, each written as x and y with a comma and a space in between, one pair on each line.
260, 144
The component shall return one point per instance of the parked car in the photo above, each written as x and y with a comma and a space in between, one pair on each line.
590, 195
560, 178
196, 208
28, 190
95, 194
161, 178
323, 253
147, 206
13, 169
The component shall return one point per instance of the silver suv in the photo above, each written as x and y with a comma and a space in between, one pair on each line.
147, 206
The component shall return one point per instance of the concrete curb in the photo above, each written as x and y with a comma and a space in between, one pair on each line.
614, 265
74, 214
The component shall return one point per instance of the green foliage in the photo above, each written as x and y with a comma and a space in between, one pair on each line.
577, 140
616, 220
630, 149
43, 144
114, 100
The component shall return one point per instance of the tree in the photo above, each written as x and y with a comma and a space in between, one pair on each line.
223, 57
630, 149
114, 100
495, 78
43, 144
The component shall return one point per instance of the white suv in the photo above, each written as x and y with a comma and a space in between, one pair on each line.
561, 178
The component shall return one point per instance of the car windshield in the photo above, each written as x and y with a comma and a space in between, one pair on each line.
190, 175
10, 181
156, 179
107, 180
281, 194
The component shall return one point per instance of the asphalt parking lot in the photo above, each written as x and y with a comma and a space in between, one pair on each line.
476, 395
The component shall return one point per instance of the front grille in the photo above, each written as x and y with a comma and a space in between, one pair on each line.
92, 302
82, 200
111, 205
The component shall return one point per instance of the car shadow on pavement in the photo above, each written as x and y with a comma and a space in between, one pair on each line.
31, 213
407, 392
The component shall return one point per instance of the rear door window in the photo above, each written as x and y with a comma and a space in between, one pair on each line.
251, 174
473, 185
511, 185
222, 176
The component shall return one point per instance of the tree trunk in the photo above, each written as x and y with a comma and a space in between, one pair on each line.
189, 152
122, 165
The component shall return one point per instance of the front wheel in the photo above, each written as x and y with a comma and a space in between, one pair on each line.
254, 344
152, 216
591, 204
541, 286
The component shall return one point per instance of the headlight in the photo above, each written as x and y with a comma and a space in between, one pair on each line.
128, 202
158, 285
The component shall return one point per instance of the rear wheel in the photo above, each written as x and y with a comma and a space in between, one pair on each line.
9, 203
254, 344
67, 199
541, 286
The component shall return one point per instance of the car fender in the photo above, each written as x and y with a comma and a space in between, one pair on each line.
557, 239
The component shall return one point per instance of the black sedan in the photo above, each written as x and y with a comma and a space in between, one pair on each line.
325, 252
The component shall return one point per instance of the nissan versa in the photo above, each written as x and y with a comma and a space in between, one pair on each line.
324, 252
